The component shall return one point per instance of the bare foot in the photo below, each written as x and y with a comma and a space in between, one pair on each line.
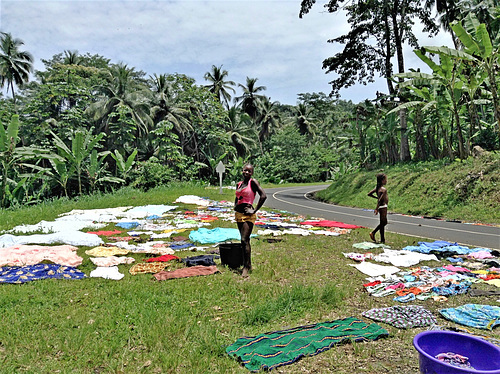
244, 274
372, 236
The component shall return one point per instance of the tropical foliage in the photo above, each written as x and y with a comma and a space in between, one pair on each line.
85, 124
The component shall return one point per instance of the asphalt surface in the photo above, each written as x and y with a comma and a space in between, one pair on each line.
297, 200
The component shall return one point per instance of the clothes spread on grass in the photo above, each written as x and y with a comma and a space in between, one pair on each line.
424, 282
474, 315
102, 251
29, 273
111, 261
193, 271
273, 349
205, 260
76, 238
402, 316
217, 235
443, 248
21, 255
164, 258
108, 272
403, 258
147, 267
374, 270
325, 223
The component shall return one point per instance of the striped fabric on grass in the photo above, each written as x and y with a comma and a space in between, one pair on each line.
272, 349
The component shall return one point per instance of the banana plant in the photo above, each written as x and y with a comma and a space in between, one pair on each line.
449, 74
124, 166
82, 145
61, 173
12, 156
485, 54
96, 170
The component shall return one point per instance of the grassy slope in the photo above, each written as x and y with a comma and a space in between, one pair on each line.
464, 190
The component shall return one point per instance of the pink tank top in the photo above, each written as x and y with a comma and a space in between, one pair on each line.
246, 195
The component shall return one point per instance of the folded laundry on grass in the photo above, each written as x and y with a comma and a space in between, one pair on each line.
403, 317
474, 315
22, 255
36, 272
273, 349
193, 271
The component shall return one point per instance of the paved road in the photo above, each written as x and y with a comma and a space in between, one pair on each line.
296, 199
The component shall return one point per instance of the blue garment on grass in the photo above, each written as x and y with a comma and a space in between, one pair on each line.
127, 225
29, 273
474, 315
204, 260
217, 235
177, 247
442, 246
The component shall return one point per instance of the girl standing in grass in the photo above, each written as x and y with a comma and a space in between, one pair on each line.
380, 193
245, 213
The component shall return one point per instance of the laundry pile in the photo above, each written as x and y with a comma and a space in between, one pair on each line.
116, 235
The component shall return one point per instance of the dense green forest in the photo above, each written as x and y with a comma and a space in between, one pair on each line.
87, 124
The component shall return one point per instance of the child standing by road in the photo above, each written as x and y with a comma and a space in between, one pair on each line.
380, 193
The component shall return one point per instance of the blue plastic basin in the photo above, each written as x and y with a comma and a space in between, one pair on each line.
483, 356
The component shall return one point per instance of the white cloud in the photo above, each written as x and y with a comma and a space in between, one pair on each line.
262, 39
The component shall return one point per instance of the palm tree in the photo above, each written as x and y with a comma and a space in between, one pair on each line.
240, 130
303, 119
71, 58
267, 118
15, 65
168, 110
448, 12
250, 98
125, 94
218, 85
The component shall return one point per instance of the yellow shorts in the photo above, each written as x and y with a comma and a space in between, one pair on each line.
242, 217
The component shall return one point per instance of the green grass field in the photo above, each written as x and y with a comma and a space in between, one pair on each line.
140, 325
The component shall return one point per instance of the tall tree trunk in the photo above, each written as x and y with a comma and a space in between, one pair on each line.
461, 149
388, 51
420, 153
405, 146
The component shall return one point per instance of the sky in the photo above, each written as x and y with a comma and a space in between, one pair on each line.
263, 39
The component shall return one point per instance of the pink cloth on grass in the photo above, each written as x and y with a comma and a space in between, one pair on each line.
192, 271
22, 255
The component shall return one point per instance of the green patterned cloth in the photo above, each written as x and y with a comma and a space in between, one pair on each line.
272, 349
